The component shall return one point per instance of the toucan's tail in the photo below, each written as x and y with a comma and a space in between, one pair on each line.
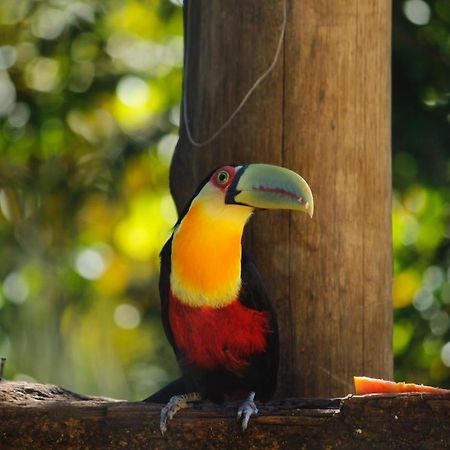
176, 387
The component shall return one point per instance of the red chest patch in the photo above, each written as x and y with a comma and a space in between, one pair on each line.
218, 337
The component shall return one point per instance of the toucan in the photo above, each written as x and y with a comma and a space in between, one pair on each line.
216, 312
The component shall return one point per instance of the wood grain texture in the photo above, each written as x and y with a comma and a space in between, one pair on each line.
325, 113
337, 122
37, 420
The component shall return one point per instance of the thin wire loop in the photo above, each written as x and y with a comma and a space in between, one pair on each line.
259, 80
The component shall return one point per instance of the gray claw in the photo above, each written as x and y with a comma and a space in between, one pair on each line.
174, 405
246, 410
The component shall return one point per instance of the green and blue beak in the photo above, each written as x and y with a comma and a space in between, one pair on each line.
270, 187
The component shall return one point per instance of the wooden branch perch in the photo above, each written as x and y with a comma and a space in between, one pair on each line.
35, 416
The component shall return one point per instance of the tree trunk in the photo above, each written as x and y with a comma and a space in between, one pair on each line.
324, 111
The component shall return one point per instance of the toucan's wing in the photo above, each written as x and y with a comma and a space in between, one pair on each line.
254, 295
178, 386
164, 289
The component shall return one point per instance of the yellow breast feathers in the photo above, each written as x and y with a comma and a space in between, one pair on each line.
206, 254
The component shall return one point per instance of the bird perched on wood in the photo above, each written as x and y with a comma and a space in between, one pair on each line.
216, 312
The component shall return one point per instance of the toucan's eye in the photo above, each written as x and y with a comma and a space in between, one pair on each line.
223, 177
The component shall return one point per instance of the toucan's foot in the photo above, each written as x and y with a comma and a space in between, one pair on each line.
176, 403
246, 410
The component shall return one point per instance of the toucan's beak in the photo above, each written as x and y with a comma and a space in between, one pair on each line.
270, 187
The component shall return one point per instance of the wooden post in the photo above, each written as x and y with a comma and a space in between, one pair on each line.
324, 111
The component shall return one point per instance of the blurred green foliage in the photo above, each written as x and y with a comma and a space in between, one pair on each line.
89, 110
421, 179
89, 107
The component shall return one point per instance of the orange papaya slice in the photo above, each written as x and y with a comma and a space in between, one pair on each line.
366, 385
